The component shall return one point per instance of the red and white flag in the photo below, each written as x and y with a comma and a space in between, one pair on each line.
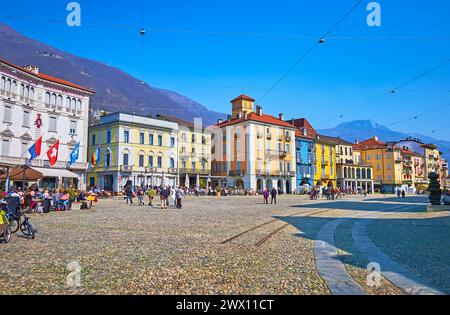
52, 154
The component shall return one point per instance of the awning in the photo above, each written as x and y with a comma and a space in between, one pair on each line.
35, 173
51, 172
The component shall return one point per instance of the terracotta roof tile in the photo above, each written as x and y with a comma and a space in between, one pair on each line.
267, 119
47, 77
243, 97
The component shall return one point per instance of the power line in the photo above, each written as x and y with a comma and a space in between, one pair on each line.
392, 91
310, 50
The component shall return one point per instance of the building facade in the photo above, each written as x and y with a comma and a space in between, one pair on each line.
352, 174
386, 162
325, 171
304, 146
34, 105
253, 150
141, 149
194, 152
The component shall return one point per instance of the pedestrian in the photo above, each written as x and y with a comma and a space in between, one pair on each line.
163, 195
179, 196
403, 194
172, 197
129, 194
151, 193
140, 195
274, 194
399, 193
266, 196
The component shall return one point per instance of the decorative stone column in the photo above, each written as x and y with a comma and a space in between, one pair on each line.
435, 189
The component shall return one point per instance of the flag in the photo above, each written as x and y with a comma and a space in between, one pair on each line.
95, 159
52, 154
35, 150
74, 155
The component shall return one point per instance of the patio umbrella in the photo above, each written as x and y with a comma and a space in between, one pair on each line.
164, 179
198, 180
22, 173
186, 183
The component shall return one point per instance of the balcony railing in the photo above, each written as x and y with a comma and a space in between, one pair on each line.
269, 136
126, 168
195, 171
237, 173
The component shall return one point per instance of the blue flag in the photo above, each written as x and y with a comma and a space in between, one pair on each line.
74, 155
35, 150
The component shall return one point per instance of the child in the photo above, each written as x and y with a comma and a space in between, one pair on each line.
140, 195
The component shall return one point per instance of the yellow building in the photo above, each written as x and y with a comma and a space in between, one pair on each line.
386, 162
136, 148
325, 173
252, 150
194, 152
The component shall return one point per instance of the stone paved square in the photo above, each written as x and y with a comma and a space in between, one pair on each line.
125, 249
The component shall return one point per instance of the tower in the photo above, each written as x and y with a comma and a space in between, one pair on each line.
241, 105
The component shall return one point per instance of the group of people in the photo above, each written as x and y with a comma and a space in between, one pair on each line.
329, 193
39, 200
168, 195
273, 193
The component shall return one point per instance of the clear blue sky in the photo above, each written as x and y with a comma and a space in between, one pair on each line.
213, 68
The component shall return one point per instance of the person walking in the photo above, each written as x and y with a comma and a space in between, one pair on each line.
129, 194
140, 195
163, 195
399, 193
403, 194
172, 197
179, 196
274, 194
151, 193
266, 196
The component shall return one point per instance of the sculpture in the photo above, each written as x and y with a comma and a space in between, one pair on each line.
434, 189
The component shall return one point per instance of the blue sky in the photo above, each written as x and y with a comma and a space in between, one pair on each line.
338, 76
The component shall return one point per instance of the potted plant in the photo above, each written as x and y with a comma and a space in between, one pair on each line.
219, 191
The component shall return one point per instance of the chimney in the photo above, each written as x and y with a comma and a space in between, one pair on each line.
375, 138
281, 116
259, 111
33, 69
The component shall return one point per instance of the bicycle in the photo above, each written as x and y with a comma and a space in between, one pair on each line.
27, 229
5, 227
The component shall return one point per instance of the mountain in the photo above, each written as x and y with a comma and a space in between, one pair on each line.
115, 89
365, 129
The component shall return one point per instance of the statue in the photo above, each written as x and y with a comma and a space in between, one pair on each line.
434, 189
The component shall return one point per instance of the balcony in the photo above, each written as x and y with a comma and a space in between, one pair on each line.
282, 154
126, 168
9, 95
269, 136
195, 171
172, 171
259, 135
240, 173
288, 138
407, 163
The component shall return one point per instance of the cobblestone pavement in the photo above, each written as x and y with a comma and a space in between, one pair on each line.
141, 250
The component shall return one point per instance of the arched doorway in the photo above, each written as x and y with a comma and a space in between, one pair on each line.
269, 184
288, 187
280, 186
259, 185
239, 184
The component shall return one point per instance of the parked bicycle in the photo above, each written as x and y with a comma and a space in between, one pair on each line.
5, 227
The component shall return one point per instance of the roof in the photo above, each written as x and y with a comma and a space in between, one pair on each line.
371, 143
304, 123
266, 119
327, 139
429, 146
409, 152
177, 120
47, 77
337, 140
243, 97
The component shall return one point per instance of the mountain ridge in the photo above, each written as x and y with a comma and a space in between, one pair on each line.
116, 90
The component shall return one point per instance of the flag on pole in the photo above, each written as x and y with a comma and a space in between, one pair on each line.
95, 159
74, 155
35, 150
52, 154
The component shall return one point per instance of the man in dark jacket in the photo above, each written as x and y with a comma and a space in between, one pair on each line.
274, 194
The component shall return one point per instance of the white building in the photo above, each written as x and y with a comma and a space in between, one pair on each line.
33, 104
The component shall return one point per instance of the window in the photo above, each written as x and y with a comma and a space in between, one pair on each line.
93, 139
59, 101
5, 147
108, 136
378, 167
193, 165
159, 161
150, 161
183, 164
172, 163
79, 105
183, 137
389, 166
68, 103
141, 160
73, 127
24, 149
26, 119
7, 116
193, 138
126, 136
141, 138
160, 140
150, 139
288, 167
52, 124
125, 159
108, 158
368, 157
172, 142
288, 148
92, 181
